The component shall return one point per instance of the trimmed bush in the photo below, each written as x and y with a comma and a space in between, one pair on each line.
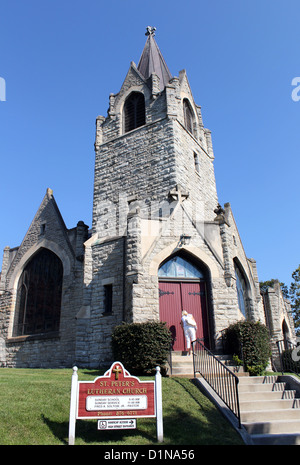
249, 341
141, 346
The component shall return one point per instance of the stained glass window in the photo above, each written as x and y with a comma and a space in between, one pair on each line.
241, 291
178, 267
39, 295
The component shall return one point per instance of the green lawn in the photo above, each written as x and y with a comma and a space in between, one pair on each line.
34, 410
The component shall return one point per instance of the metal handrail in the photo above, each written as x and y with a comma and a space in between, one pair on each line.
170, 361
218, 376
287, 362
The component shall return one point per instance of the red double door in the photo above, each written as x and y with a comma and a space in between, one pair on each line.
174, 297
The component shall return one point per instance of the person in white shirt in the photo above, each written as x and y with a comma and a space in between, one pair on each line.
189, 326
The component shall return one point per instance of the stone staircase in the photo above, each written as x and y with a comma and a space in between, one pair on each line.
182, 365
270, 409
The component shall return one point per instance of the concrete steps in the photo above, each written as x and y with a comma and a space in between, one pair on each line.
249, 416
182, 365
270, 411
268, 405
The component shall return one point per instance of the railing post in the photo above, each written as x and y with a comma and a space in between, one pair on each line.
194, 363
237, 400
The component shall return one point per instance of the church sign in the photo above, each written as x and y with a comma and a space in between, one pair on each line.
115, 396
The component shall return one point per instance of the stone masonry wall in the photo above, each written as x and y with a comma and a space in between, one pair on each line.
107, 269
139, 164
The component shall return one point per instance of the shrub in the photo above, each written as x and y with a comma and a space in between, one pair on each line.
141, 346
249, 341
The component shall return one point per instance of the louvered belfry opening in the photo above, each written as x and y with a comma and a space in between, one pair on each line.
188, 116
134, 111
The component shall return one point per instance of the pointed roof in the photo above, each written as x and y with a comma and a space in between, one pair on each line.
152, 61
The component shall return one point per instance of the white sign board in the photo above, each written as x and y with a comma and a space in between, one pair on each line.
116, 424
116, 402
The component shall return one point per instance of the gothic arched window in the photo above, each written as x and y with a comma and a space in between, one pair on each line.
241, 288
188, 115
134, 111
178, 267
39, 295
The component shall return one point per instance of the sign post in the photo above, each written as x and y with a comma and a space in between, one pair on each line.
158, 401
114, 397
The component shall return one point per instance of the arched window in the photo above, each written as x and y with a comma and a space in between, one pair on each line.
39, 295
188, 115
134, 111
241, 288
178, 267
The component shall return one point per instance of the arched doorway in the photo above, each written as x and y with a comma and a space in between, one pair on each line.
182, 286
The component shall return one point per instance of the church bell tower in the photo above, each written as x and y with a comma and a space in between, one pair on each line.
152, 144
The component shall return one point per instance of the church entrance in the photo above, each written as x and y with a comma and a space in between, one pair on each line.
182, 286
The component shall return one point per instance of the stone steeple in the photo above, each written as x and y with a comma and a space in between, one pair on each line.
152, 61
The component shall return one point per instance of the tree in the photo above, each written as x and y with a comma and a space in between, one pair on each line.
295, 298
265, 284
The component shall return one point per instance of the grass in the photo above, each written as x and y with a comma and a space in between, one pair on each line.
279, 373
34, 410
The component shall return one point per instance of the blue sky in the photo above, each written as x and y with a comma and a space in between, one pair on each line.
61, 59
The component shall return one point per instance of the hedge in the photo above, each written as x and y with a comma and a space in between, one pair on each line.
141, 346
250, 342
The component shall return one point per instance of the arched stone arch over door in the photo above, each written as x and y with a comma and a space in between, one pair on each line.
182, 286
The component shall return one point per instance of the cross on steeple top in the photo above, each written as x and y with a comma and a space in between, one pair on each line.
150, 31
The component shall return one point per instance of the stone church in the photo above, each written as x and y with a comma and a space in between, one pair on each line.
159, 243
